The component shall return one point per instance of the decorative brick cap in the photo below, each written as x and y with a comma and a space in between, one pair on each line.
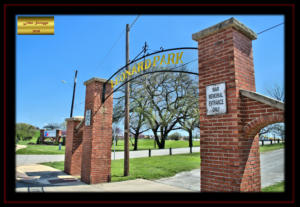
94, 79
75, 118
263, 99
232, 22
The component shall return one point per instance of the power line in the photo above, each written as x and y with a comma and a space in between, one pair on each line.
108, 52
270, 28
134, 21
115, 43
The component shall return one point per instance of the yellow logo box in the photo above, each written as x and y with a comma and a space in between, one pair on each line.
35, 25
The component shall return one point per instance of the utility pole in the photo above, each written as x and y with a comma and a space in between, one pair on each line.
71, 114
126, 122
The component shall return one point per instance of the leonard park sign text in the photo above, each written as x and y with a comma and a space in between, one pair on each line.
171, 58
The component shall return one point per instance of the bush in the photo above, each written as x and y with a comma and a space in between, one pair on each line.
25, 131
38, 140
174, 136
27, 138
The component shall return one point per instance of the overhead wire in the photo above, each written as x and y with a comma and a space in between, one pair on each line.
270, 28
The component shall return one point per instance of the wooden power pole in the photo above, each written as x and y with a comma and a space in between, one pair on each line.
126, 121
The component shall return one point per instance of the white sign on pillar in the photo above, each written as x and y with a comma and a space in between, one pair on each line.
216, 99
88, 117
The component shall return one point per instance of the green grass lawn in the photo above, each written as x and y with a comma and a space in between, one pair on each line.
278, 187
143, 144
148, 167
41, 149
271, 147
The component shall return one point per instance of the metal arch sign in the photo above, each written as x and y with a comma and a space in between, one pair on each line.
171, 58
132, 73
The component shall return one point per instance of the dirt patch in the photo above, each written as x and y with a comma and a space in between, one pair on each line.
20, 147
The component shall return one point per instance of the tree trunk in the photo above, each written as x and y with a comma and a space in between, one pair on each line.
136, 136
190, 139
159, 144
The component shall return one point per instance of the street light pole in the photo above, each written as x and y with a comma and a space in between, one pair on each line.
71, 114
126, 121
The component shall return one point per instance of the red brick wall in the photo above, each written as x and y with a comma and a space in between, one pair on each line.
73, 148
97, 138
229, 157
256, 115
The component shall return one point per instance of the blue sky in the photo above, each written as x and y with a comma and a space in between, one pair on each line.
45, 64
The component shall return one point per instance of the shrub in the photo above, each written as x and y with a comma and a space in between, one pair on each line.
27, 138
38, 140
174, 136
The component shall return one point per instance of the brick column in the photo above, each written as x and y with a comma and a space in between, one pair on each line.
97, 134
229, 159
58, 134
73, 147
42, 131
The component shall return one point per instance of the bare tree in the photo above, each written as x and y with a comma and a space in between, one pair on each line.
167, 94
137, 104
277, 93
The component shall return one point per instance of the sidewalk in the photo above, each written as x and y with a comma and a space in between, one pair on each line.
40, 178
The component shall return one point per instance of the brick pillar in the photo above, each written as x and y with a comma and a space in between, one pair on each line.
42, 131
97, 134
73, 147
58, 134
229, 159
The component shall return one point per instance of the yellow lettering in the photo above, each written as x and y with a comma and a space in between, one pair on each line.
112, 83
133, 70
123, 77
128, 72
172, 59
140, 66
178, 57
155, 60
163, 60
147, 64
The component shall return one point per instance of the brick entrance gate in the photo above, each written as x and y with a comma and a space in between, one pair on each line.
228, 144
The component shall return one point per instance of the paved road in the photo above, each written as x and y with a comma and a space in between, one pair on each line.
272, 167
272, 171
34, 159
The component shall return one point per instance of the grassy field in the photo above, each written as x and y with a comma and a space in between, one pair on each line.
278, 187
149, 167
271, 147
41, 149
143, 144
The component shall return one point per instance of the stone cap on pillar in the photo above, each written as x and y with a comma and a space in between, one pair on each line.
75, 118
101, 80
232, 22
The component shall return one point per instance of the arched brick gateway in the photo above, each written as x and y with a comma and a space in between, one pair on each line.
229, 145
